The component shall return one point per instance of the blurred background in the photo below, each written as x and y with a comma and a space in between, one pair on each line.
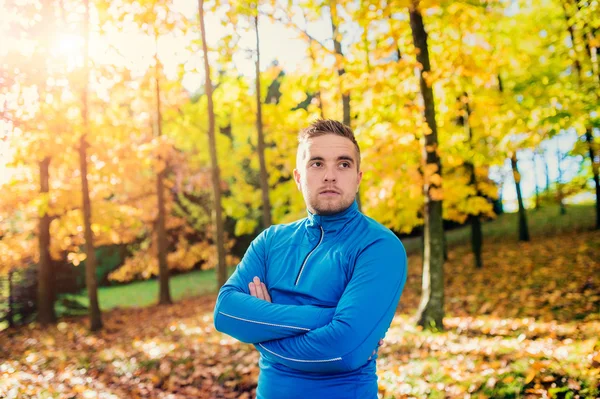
152, 138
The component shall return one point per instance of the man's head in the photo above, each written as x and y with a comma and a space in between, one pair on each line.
327, 166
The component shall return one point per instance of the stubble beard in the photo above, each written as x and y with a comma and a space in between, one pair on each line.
324, 207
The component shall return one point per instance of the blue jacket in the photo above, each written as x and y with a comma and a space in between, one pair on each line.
335, 282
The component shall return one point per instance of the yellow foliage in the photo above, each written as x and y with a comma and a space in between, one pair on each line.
436, 194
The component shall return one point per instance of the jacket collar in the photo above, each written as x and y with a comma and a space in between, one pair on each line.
335, 222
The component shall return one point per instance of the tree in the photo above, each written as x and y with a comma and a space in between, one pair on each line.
90, 265
582, 16
161, 231
474, 219
337, 45
264, 175
46, 314
431, 309
46, 297
523, 226
216, 174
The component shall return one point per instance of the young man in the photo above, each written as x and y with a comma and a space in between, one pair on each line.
316, 296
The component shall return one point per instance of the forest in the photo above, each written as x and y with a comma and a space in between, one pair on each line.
145, 143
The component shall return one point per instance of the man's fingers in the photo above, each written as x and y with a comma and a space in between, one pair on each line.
265, 292
259, 292
258, 289
380, 342
252, 288
372, 354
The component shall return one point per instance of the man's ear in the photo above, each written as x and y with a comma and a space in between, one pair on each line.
297, 179
359, 179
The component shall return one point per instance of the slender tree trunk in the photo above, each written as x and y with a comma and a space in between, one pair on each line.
45, 30
595, 170
264, 175
559, 188
90, 260
161, 230
337, 46
11, 304
45, 304
588, 35
535, 180
431, 309
523, 228
313, 59
547, 172
592, 52
216, 178
474, 220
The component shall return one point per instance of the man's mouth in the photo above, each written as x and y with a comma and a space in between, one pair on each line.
329, 192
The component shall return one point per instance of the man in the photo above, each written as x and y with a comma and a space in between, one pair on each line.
316, 296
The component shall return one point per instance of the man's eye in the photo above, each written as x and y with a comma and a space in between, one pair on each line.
317, 164
345, 164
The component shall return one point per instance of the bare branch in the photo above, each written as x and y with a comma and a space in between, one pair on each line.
289, 23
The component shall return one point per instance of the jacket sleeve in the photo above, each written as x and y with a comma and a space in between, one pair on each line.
362, 317
252, 320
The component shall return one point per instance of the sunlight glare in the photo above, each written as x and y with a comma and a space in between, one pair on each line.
68, 44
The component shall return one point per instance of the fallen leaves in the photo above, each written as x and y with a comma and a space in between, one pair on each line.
526, 325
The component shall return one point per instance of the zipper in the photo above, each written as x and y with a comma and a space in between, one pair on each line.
308, 256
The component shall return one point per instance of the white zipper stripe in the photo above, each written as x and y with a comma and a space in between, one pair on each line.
309, 254
301, 361
262, 322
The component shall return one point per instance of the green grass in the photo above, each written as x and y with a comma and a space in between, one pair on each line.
544, 222
145, 293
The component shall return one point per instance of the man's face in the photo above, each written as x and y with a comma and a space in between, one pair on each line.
327, 173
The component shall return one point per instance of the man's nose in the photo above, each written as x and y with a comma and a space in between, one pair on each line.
330, 175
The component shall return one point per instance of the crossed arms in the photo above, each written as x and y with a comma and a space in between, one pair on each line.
311, 338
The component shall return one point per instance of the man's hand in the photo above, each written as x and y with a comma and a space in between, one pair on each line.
375, 351
259, 289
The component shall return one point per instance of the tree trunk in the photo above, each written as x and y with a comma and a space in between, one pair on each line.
337, 46
595, 169
46, 314
313, 59
264, 175
593, 55
559, 188
523, 228
431, 309
474, 220
90, 260
216, 178
547, 173
11, 305
535, 181
588, 34
161, 230
476, 240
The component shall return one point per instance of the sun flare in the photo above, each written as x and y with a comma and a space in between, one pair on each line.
68, 44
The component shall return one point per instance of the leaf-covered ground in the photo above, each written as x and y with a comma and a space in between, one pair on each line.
526, 326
